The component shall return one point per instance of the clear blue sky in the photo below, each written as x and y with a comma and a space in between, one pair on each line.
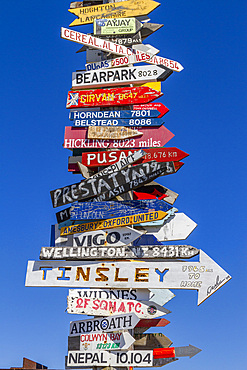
207, 116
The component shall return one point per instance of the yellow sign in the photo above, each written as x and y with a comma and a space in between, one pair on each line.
113, 222
153, 85
123, 9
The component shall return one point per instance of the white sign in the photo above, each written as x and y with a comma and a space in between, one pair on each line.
134, 294
104, 358
119, 76
104, 324
108, 341
118, 62
205, 276
107, 307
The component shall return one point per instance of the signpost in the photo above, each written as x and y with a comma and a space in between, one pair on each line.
76, 138
107, 307
119, 76
111, 132
205, 276
117, 26
121, 9
101, 341
134, 294
116, 114
186, 351
109, 97
110, 123
110, 185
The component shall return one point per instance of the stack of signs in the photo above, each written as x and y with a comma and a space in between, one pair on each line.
110, 238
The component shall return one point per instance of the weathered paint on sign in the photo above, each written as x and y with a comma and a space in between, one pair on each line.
76, 138
111, 132
104, 324
107, 307
117, 26
151, 341
133, 294
110, 97
102, 188
128, 8
153, 190
119, 76
205, 276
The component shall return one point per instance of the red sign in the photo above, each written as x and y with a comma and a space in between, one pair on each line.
149, 323
159, 106
109, 97
105, 158
76, 137
164, 352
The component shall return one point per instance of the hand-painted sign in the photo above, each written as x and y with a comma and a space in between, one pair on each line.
177, 228
159, 106
102, 188
107, 307
113, 209
119, 76
205, 276
105, 341
105, 324
110, 123
170, 213
128, 8
117, 26
186, 351
145, 324
134, 294
115, 114
151, 341
76, 138
107, 224
153, 190
110, 97
126, 40
105, 158
105, 358
149, 28
111, 132
161, 296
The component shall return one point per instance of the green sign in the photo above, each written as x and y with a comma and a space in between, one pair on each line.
116, 26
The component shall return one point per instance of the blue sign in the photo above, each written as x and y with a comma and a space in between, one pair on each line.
113, 114
112, 209
132, 122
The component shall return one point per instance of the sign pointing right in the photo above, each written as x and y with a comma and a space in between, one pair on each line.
186, 351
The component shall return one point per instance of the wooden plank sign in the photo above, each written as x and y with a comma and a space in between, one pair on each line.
150, 341
114, 114
107, 224
177, 228
111, 132
159, 106
115, 123
105, 324
76, 138
110, 97
105, 158
134, 294
103, 358
128, 8
107, 307
112, 209
153, 190
103, 341
116, 26
119, 76
205, 276
145, 324
108, 186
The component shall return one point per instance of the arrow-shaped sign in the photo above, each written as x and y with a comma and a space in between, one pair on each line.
205, 276
105, 324
142, 113
163, 296
111, 132
115, 123
119, 76
159, 106
153, 190
186, 351
151, 341
145, 324
107, 307
112, 10
149, 28
178, 227
116, 26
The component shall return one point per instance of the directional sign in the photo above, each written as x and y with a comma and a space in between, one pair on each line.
153, 190
151, 341
107, 224
117, 26
146, 48
102, 341
150, 323
115, 114
161, 296
104, 324
149, 28
205, 276
110, 97
186, 351
107, 307
126, 40
105, 158
160, 362
102, 188
111, 132
76, 138
103, 358
113, 123
112, 10
112, 209
119, 76
134, 294
159, 106
170, 213
177, 228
